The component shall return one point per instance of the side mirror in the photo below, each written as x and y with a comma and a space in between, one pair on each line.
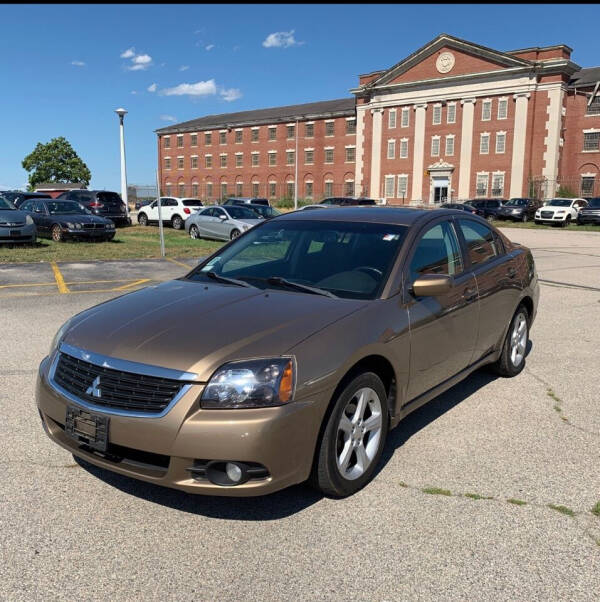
222, 217
431, 285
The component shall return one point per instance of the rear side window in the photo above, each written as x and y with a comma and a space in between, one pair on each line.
191, 203
480, 240
437, 252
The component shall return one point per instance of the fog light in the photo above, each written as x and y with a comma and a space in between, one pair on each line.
234, 472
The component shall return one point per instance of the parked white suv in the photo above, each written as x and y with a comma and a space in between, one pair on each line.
173, 209
559, 211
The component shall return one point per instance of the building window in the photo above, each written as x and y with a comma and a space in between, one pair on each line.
309, 157
309, 130
391, 149
272, 189
289, 190
179, 162
255, 189
255, 159
254, 134
437, 115
486, 110
239, 188
166, 142
402, 186
167, 162
587, 185
329, 128
290, 131
273, 133
208, 138
351, 126
194, 162
451, 113
591, 141
308, 190
502, 108
350, 154
208, 161
592, 109
349, 188
290, 157
328, 155
239, 159
497, 184
195, 190
273, 158
238, 136
389, 187
482, 184
405, 119
181, 189
209, 190
168, 189
193, 139
222, 137
435, 146
449, 146
328, 188
404, 148
223, 190
179, 140
500, 142
223, 160
484, 144
392, 119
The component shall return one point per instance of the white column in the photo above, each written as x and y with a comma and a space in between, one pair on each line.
375, 191
552, 139
518, 154
360, 140
466, 147
418, 151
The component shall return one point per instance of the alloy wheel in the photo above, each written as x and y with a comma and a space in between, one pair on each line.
518, 340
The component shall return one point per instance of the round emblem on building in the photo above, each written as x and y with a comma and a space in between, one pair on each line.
445, 62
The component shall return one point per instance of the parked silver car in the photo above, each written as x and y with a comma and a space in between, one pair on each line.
15, 226
224, 223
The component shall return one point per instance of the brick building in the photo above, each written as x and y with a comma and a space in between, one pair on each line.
453, 120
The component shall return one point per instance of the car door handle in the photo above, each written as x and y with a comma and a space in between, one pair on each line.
469, 294
511, 272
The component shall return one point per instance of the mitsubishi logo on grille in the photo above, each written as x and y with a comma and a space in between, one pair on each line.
94, 389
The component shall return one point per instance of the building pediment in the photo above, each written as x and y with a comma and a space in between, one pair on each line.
441, 166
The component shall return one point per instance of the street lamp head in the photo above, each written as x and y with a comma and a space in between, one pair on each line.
121, 112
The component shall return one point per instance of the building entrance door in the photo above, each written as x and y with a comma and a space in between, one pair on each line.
440, 190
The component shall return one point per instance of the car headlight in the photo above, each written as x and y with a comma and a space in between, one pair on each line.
561, 211
70, 225
516, 211
251, 384
28, 220
110, 226
245, 226
58, 337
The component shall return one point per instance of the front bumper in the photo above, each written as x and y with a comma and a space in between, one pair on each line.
91, 233
18, 234
513, 216
588, 219
161, 450
556, 219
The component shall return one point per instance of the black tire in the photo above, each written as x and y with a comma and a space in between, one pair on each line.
567, 221
57, 234
505, 365
142, 219
326, 476
489, 218
109, 237
194, 232
176, 222
234, 233
525, 218
537, 221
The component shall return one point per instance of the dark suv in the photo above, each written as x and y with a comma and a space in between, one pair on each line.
100, 202
519, 209
17, 198
488, 208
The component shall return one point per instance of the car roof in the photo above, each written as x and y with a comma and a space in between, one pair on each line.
380, 215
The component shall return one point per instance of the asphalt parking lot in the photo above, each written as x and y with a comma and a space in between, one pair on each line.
516, 446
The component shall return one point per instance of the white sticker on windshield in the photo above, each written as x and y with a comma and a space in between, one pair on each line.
211, 263
391, 237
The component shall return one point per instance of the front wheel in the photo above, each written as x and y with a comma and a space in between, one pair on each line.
57, 233
234, 233
512, 358
490, 218
194, 232
353, 438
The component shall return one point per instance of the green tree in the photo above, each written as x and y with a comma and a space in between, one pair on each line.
565, 192
55, 161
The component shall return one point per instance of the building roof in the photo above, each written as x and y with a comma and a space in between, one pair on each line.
585, 77
60, 186
312, 110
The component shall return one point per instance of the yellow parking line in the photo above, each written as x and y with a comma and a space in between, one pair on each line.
185, 265
60, 283
122, 288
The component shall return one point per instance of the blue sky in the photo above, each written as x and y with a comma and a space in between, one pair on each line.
65, 68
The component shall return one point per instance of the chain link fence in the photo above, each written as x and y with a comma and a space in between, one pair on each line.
542, 188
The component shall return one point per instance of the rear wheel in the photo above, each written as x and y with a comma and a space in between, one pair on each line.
512, 357
142, 219
234, 233
57, 233
194, 232
176, 222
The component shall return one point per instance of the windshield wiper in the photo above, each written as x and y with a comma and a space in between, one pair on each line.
300, 287
220, 278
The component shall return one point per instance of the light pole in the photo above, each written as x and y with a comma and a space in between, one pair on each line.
121, 113
296, 170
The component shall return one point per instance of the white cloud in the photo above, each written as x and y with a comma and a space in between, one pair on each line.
130, 52
201, 88
230, 94
78, 63
152, 88
168, 118
134, 91
281, 39
140, 62
184, 67
209, 47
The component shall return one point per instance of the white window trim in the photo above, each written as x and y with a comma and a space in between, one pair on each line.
401, 176
328, 147
255, 152
386, 179
309, 148
394, 113
329, 121
496, 146
405, 111
448, 105
350, 118
500, 100
240, 129
350, 146
391, 144
400, 149
438, 138
483, 103
481, 136
588, 175
449, 137
437, 105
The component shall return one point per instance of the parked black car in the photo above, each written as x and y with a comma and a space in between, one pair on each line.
244, 200
61, 220
462, 207
591, 213
347, 201
488, 208
140, 204
518, 209
100, 202
265, 212
17, 198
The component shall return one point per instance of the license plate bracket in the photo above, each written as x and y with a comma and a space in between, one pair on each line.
85, 427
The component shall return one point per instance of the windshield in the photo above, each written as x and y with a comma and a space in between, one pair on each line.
6, 205
241, 212
516, 203
265, 211
349, 259
64, 208
560, 202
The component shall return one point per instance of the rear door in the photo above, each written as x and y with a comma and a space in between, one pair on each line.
443, 329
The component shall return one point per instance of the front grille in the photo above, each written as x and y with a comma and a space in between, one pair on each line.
12, 224
93, 226
547, 214
119, 390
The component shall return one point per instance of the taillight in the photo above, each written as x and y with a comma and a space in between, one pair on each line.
186, 210
96, 205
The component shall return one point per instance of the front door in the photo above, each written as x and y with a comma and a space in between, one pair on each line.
440, 194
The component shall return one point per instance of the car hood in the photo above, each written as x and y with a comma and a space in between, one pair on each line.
12, 217
195, 327
80, 218
553, 208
